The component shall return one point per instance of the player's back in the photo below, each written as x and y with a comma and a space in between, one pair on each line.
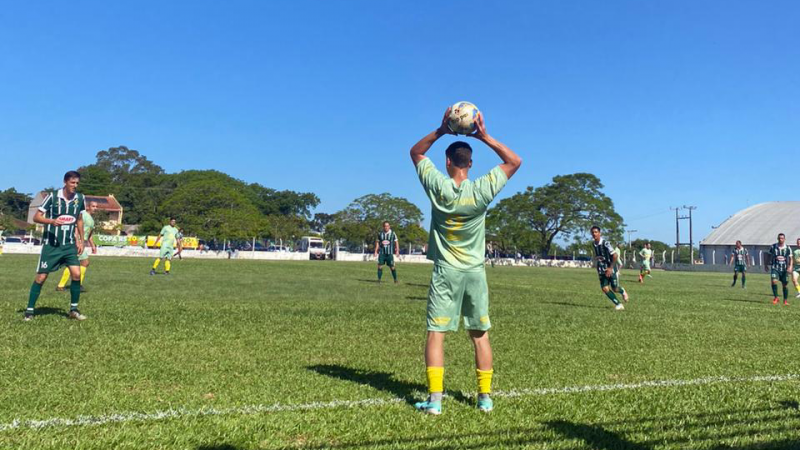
458, 215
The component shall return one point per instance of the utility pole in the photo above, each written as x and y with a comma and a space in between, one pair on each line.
678, 242
691, 241
629, 236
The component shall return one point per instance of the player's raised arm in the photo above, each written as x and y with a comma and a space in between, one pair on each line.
511, 161
420, 148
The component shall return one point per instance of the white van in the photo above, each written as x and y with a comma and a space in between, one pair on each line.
313, 245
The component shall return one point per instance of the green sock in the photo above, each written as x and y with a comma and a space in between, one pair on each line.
610, 294
621, 290
36, 289
380, 274
734, 280
394, 274
785, 292
74, 294
742, 280
774, 290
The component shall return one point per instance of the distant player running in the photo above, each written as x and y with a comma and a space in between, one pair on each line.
647, 255
63, 241
606, 263
456, 246
386, 247
88, 232
781, 260
170, 239
739, 260
618, 251
796, 268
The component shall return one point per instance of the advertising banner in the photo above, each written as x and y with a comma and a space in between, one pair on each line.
104, 240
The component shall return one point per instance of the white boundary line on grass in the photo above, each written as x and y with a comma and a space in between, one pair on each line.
278, 407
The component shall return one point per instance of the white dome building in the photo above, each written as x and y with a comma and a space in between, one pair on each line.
757, 227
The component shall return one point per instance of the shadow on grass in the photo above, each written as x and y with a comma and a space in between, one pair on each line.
425, 299
596, 437
46, 311
382, 381
741, 300
574, 305
418, 285
369, 281
508, 438
218, 447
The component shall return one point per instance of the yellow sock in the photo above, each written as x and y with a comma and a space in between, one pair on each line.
83, 274
64, 278
485, 381
167, 265
155, 265
435, 379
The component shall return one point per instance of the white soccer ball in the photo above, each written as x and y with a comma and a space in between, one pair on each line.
462, 118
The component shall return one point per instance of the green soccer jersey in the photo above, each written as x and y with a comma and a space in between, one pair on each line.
603, 255
740, 256
169, 236
458, 215
780, 257
386, 242
796, 255
88, 224
57, 206
646, 254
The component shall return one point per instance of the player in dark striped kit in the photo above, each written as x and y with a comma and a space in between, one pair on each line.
61, 213
386, 246
606, 262
739, 256
781, 261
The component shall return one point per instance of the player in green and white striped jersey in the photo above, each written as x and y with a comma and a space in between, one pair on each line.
61, 213
88, 231
739, 256
606, 263
386, 246
781, 262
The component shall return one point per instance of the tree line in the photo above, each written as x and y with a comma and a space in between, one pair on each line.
213, 205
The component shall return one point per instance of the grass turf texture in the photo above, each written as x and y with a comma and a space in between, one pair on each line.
219, 336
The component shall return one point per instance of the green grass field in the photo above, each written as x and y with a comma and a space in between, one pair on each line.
226, 355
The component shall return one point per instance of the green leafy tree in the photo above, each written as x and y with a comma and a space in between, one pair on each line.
565, 209
14, 204
212, 211
361, 221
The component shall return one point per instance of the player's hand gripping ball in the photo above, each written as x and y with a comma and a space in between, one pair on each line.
462, 118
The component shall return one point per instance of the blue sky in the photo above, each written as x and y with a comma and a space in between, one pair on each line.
669, 103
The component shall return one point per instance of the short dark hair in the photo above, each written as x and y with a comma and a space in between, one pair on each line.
738, 242
459, 153
385, 222
70, 175
781, 234
594, 228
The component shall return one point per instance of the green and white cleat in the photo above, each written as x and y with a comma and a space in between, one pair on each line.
619, 307
75, 314
428, 407
485, 404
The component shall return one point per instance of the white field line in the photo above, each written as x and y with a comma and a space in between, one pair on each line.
259, 409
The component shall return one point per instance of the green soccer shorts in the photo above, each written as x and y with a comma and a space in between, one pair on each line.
166, 252
457, 293
85, 254
645, 266
54, 258
779, 275
612, 281
739, 268
386, 259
